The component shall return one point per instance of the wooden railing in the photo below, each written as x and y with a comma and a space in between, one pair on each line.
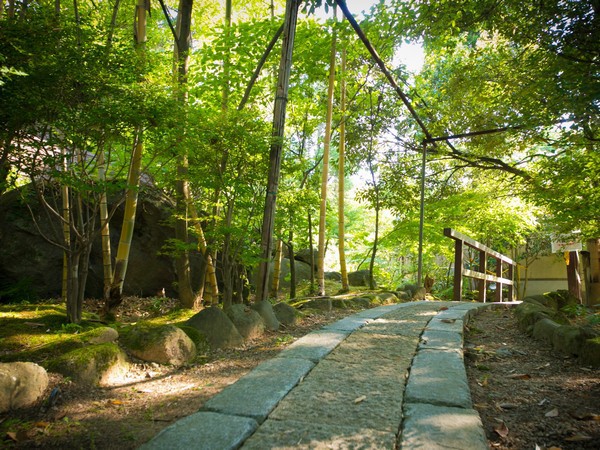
481, 273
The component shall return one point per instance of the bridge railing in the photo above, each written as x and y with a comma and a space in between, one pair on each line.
481, 272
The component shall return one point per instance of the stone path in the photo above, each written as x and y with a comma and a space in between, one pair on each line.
385, 378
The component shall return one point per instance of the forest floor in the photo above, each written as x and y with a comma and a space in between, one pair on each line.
528, 396
525, 394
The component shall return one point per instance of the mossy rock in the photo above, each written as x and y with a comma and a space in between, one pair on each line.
568, 339
201, 342
590, 352
528, 313
359, 302
92, 364
286, 314
163, 344
339, 303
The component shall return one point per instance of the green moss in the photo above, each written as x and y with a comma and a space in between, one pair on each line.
141, 335
86, 363
201, 342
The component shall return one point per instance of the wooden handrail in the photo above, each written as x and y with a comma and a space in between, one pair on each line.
481, 274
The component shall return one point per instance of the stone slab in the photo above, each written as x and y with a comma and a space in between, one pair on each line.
351, 323
204, 431
354, 395
316, 345
437, 427
297, 435
453, 313
441, 340
256, 394
375, 350
375, 313
438, 377
446, 324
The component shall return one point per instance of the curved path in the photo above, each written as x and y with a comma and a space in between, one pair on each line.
385, 378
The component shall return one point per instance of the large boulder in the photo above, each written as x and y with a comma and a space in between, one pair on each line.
31, 267
163, 344
21, 384
359, 278
302, 272
265, 309
217, 327
247, 321
102, 364
286, 314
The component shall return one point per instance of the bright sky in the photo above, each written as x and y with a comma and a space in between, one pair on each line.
411, 55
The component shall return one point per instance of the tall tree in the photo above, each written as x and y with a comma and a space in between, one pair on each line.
325, 169
133, 178
275, 154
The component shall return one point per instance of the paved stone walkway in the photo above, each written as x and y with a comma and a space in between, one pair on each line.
385, 378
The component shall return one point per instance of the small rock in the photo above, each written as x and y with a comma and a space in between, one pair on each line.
21, 384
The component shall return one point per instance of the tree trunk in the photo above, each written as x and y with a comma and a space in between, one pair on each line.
325, 172
312, 255
593, 247
291, 16
66, 216
133, 179
290, 247
277, 269
573, 279
105, 228
341, 176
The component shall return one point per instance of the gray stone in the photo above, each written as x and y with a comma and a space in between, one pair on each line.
544, 330
453, 325
359, 278
350, 323
387, 298
21, 384
257, 393
165, 344
441, 340
286, 314
358, 302
204, 431
360, 395
103, 364
217, 327
322, 304
333, 276
438, 378
436, 427
316, 345
568, 339
303, 435
103, 335
247, 321
265, 309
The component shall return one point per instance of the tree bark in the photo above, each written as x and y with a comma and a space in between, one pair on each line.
341, 178
291, 16
325, 172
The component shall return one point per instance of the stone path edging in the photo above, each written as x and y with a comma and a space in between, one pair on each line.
436, 407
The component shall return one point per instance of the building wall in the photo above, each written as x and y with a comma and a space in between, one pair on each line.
546, 274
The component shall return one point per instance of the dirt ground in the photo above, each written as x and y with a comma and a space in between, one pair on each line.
525, 394
528, 396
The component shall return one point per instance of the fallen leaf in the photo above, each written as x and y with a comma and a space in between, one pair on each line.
507, 405
116, 402
443, 308
12, 436
543, 402
519, 376
580, 437
552, 413
501, 430
35, 324
448, 320
360, 399
42, 424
